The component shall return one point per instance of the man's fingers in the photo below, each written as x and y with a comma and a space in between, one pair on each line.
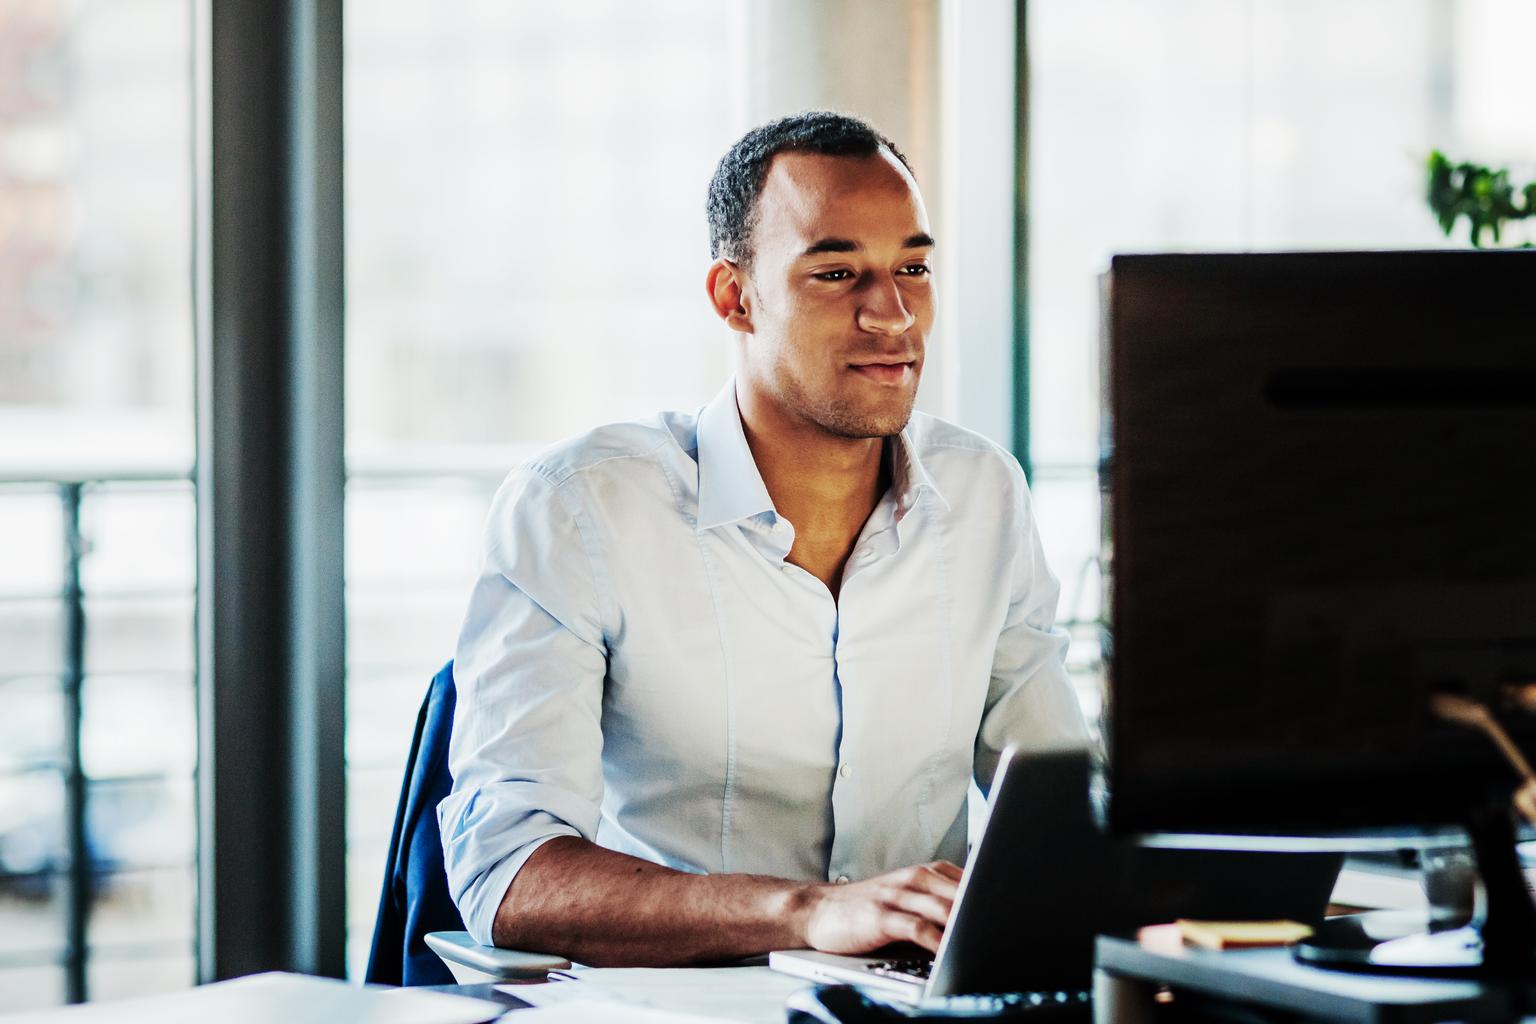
925, 905
914, 929
948, 870
935, 878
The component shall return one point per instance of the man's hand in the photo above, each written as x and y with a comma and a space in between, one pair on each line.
909, 905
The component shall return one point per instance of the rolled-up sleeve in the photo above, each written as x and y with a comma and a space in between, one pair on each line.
529, 667
1030, 700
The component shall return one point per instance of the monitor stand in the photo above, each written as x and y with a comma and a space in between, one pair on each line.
1501, 943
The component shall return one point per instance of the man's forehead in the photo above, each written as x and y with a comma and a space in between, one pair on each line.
807, 196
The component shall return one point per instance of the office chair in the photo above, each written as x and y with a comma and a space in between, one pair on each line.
419, 937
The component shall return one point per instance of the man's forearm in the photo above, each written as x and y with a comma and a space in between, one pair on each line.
595, 906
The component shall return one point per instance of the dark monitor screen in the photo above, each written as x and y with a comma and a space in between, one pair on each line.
1320, 487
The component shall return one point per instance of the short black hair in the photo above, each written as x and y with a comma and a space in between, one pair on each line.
738, 181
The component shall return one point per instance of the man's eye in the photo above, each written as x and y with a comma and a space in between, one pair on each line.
833, 275
917, 269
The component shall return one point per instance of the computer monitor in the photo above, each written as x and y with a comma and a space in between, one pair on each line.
1320, 506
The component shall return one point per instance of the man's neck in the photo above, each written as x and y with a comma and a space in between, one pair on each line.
825, 485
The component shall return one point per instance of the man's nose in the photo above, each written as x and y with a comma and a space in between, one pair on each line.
882, 310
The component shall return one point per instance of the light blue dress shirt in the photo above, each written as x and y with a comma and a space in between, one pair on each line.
640, 666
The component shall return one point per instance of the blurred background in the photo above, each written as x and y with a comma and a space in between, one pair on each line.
525, 248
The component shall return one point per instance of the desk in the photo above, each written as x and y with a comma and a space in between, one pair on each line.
1272, 979
751, 995
487, 991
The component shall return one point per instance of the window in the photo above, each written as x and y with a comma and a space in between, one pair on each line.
1210, 125
97, 743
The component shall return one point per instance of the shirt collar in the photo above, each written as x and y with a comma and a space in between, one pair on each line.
909, 478
730, 487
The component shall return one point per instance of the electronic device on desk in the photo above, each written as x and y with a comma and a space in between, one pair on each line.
1043, 880
848, 1004
1320, 499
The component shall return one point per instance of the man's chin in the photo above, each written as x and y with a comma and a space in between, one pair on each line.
866, 423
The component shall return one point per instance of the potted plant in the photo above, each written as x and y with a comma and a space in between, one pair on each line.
1485, 197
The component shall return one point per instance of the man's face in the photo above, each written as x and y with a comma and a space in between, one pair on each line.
839, 294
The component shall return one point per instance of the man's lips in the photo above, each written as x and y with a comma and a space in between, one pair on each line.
883, 372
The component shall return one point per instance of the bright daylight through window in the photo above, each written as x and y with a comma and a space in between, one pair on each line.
97, 737
1210, 125
525, 248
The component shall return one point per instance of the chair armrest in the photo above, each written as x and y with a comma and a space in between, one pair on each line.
471, 962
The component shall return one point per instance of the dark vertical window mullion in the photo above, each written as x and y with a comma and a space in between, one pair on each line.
317, 659
271, 828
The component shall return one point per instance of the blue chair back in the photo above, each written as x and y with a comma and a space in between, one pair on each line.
415, 898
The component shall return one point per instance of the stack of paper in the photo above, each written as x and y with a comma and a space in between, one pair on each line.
280, 998
724, 995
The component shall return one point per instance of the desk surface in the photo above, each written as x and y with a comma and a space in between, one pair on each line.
486, 991
1272, 978
751, 995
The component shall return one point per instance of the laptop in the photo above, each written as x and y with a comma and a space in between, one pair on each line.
1043, 881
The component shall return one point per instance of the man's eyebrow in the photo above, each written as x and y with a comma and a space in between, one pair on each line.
821, 245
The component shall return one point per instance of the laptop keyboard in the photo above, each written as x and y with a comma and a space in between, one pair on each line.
917, 969
1065, 1005
1068, 1004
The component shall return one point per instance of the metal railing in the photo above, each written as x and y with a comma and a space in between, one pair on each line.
77, 947
80, 870
74, 873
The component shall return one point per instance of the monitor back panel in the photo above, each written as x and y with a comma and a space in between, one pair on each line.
1320, 491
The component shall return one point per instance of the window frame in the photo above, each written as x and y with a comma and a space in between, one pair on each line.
270, 617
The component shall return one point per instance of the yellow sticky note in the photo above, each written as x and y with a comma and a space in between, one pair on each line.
1242, 934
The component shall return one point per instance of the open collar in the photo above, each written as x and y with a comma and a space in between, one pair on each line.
909, 478
731, 489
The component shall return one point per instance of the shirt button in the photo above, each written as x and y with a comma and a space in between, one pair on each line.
841, 879
788, 567
845, 769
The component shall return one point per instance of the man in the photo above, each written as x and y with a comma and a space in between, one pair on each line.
725, 677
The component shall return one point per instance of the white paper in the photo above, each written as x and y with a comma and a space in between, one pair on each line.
739, 995
282, 998
602, 1012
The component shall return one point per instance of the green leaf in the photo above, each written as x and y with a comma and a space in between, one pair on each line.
1485, 197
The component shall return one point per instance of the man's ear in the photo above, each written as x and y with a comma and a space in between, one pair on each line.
727, 287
